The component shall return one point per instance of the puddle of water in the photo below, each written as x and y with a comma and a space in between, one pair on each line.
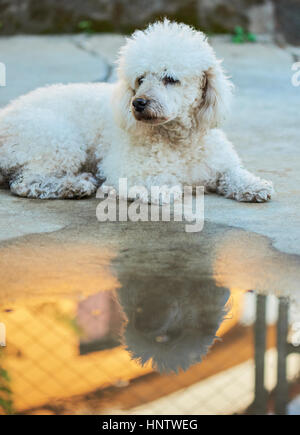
120, 301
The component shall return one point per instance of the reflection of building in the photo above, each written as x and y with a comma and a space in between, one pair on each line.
100, 319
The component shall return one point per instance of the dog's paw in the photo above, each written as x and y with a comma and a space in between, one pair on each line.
105, 190
261, 192
44, 187
19, 187
82, 186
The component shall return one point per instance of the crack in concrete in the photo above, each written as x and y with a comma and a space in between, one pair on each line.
109, 68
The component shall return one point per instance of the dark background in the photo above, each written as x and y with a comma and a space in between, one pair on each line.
280, 18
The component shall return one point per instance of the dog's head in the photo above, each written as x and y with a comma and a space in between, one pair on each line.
170, 72
171, 322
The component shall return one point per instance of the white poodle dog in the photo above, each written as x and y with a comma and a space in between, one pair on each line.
157, 126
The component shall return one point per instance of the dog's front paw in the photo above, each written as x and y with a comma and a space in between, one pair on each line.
105, 190
262, 191
50, 187
83, 185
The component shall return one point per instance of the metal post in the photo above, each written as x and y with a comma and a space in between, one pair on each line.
282, 389
260, 400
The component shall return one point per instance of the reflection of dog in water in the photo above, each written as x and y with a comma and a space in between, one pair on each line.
171, 322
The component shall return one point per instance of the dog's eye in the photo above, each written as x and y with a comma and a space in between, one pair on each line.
140, 80
167, 80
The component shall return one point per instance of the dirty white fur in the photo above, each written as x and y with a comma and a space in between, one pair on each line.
61, 141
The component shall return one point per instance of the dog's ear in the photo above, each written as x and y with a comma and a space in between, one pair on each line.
122, 97
216, 92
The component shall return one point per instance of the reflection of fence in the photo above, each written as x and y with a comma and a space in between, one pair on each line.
60, 359
260, 404
284, 349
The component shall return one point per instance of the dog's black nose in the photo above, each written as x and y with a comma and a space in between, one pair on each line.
139, 104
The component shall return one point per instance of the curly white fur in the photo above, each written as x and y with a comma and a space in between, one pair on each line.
61, 141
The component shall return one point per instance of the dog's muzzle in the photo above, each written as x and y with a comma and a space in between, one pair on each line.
143, 111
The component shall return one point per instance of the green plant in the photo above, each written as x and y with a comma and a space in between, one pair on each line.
70, 323
240, 36
85, 26
6, 403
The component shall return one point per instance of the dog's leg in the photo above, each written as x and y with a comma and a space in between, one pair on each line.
230, 178
45, 157
46, 186
239, 184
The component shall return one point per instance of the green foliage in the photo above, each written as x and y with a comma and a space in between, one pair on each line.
6, 403
70, 323
240, 36
52, 310
85, 26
